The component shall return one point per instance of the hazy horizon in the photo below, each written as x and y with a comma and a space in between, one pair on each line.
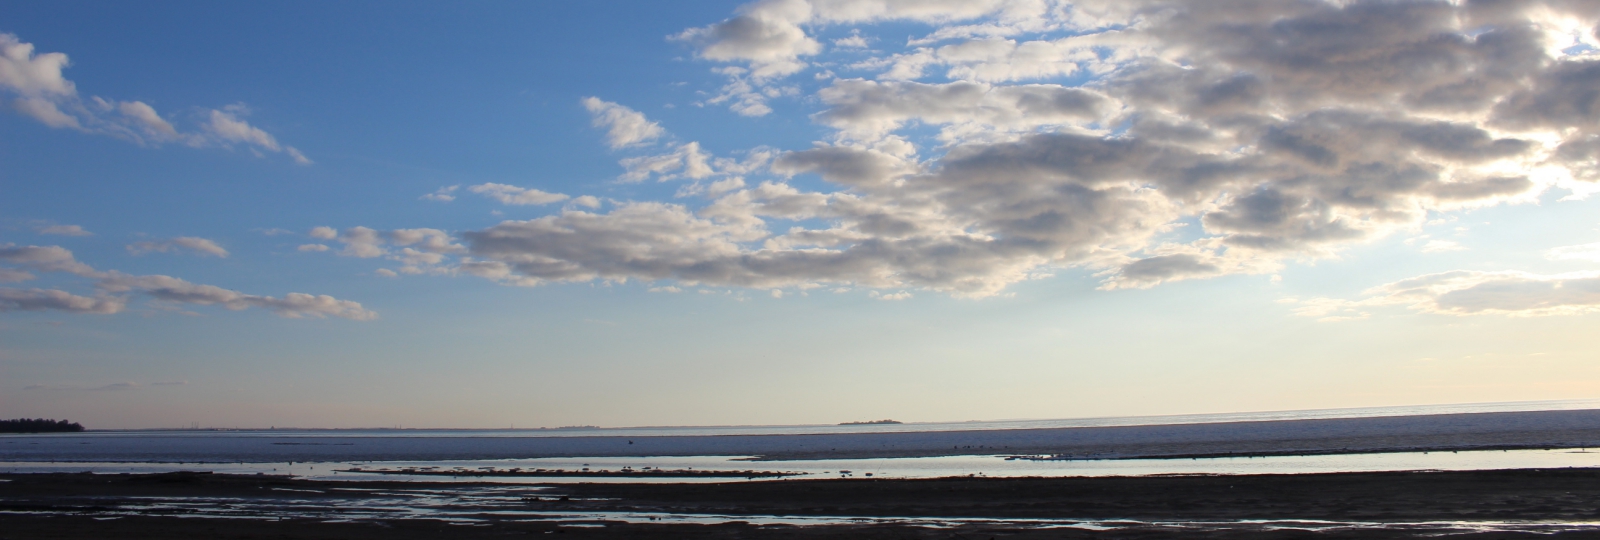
788, 212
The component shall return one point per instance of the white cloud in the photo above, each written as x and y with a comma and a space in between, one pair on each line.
421, 251
42, 92
1441, 246
299, 158
31, 74
46, 112
1583, 252
686, 161
444, 194
513, 195
624, 127
65, 230
228, 127
1467, 292
191, 243
147, 118
769, 37
113, 288
854, 41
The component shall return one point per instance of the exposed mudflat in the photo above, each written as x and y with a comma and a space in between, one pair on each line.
1559, 503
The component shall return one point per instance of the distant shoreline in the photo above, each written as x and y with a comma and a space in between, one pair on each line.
1446, 432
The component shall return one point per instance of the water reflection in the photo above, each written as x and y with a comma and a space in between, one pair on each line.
921, 467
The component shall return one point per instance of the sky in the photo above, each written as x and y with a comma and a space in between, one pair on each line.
626, 213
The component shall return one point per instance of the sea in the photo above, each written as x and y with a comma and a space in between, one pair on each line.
332, 454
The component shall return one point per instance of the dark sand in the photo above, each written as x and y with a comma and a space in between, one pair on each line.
67, 506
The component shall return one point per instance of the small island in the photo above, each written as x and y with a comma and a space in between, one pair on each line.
871, 423
39, 425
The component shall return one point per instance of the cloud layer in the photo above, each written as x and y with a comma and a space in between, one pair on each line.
1146, 141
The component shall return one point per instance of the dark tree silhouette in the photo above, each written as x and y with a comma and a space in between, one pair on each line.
38, 425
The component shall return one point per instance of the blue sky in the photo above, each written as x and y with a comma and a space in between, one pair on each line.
631, 213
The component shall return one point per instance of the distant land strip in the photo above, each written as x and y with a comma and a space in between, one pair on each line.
1441, 432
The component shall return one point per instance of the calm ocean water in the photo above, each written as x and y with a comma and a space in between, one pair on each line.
925, 467
319, 453
1366, 412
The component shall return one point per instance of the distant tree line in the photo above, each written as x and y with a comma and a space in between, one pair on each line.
38, 425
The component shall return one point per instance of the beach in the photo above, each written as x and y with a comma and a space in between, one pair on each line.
1476, 504
1479, 474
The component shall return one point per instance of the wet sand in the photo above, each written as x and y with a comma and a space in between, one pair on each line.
1414, 504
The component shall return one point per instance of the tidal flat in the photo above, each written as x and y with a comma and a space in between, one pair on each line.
1532, 503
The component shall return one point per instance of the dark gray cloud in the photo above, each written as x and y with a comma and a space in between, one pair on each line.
1565, 96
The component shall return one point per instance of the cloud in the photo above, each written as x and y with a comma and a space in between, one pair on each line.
854, 41
12, 275
43, 93
292, 305
420, 250
191, 243
1441, 246
513, 195
1467, 292
769, 38
56, 300
1143, 142
29, 74
686, 161
65, 230
45, 259
874, 108
228, 127
147, 118
1584, 252
624, 127
113, 288
444, 194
